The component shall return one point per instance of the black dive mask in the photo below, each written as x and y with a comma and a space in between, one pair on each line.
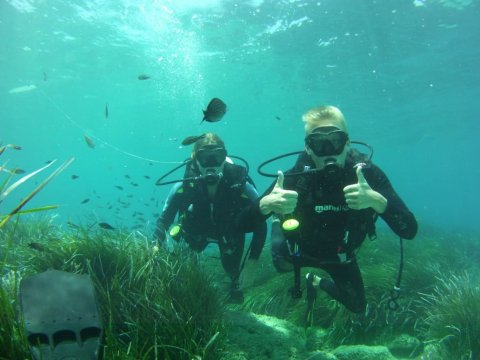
211, 156
327, 143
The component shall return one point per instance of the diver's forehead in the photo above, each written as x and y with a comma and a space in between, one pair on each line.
325, 127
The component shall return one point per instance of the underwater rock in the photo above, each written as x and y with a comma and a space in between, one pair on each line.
315, 338
321, 355
362, 352
406, 346
259, 337
434, 351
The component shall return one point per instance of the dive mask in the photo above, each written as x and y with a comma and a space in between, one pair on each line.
211, 156
327, 141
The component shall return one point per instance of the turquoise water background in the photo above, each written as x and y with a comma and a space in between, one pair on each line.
405, 74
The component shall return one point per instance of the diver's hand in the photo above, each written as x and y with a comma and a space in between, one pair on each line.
279, 201
361, 196
249, 273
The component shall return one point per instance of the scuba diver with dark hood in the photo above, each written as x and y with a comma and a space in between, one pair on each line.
208, 201
326, 205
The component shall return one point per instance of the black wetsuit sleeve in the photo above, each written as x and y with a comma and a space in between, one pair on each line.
251, 217
170, 210
397, 215
259, 228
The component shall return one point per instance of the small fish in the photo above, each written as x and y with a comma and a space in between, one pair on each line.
106, 226
72, 225
146, 176
11, 146
278, 118
18, 171
106, 111
119, 187
127, 176
14, 147
215, 110
134, 183
143, 77
45, 77
74, 177
89, 141
36, 246
48, 161
85, 201
189, 140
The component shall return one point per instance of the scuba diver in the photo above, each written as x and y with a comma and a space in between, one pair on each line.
325, 206
208, 202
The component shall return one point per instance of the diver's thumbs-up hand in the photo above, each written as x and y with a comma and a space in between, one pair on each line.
360, 177
361, 196
280, 179
279, 201
356, 195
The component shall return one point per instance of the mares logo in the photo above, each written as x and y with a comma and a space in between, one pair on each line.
322, 208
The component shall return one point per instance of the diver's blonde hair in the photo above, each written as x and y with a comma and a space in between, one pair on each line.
324, 116
207, 139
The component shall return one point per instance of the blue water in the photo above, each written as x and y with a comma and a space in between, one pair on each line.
405, 74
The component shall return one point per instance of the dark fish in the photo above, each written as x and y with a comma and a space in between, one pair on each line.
278, 118
74, 177
134, 184
106, 226
127, 176
146, 176
106, 111
72, 225
143, 77
215, 110
89, 141
85, 201
18, 171
119, 187
48, 161
36, 246
11, 146
189, 140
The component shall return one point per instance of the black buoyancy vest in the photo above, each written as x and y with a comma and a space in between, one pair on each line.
327, 225
214, 219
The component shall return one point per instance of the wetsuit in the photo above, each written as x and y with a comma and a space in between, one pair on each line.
205, 221
329, 231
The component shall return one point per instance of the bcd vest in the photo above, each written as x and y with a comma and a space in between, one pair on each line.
213, 218
327, 226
